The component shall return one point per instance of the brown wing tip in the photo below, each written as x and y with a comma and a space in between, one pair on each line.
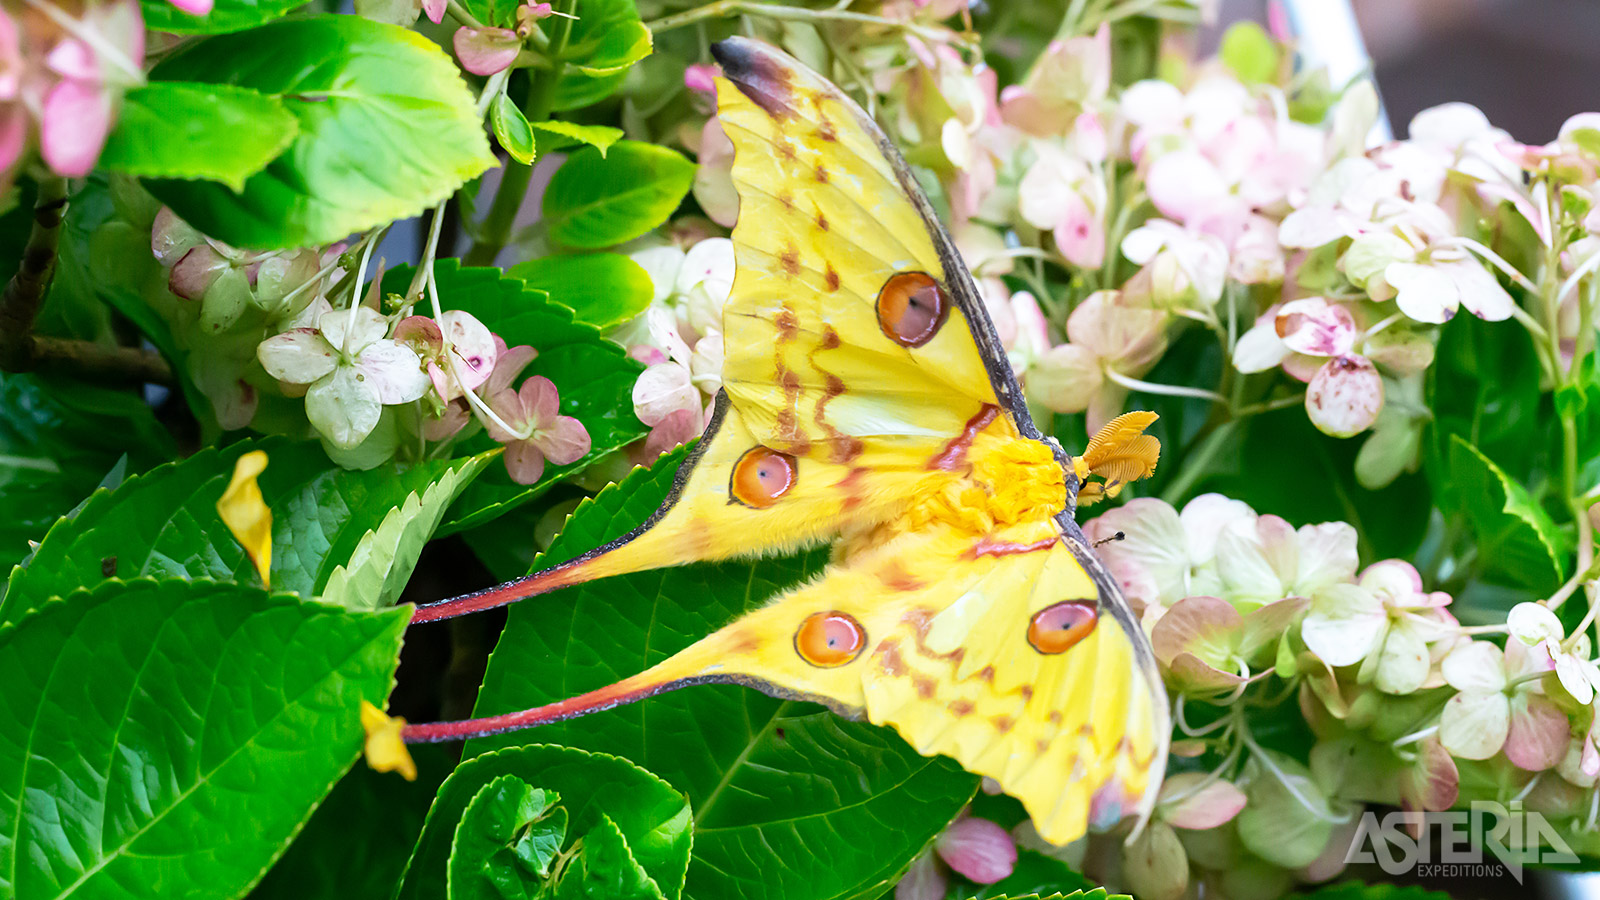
763, 73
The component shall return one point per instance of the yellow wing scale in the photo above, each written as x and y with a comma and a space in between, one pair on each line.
916, 459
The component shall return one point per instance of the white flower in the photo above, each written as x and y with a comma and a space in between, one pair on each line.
352, 371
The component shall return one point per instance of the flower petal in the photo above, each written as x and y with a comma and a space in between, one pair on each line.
300, 356
564, 440
1345, 397
524, 462
1532, 623
1211, 805
1475, 725
73, 126
1344, 624
1316, 327
1538, 736
1423, 292
393, 370
1477, 666
485, 51
978, 848
343, 408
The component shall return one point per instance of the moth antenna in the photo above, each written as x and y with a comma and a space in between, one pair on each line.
1115, 537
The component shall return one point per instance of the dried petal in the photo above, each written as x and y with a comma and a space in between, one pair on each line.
1345, 397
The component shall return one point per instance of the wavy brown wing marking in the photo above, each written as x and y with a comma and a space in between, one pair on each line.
1023, 677
825, 226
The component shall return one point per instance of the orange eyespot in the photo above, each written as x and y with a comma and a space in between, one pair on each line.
911, 308
1055, 629
761, 476
828, 639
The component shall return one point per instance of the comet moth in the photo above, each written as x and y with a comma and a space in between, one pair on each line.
867, 403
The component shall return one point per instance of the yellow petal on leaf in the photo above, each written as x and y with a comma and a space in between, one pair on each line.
1121, 452
247, 515
385, 751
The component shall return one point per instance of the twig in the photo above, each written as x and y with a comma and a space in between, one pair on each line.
23, 351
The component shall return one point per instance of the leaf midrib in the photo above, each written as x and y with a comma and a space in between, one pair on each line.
118, 851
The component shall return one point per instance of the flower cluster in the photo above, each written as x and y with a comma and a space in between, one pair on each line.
63, 71
375, 376
679, 339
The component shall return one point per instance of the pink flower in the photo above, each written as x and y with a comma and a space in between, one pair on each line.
977, 848
925, 880
76, 114
194, 7
1107, 340
540, 431
13, 115
485, 51
1068, 77
700, 78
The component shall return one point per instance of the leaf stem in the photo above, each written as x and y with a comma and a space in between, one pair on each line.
21, 350
496, 229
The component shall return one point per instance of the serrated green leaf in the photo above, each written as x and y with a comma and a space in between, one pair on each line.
596, 201
1358, 890
1516, 541
606, 870
606, 38
771, 780
165, 524
324, 863
1483, 386
381, 563
175, 733
58, 438
508, 835
593, 375
603, 289
225, 15
387, 129
511, 129
652, 816
600, 137
172, 129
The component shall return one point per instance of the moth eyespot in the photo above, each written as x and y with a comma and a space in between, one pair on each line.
1057, 628
761, 477
912, 306
828, 639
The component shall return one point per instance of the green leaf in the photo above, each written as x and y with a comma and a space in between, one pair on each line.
1516, 542
1315, 483
381, 563
607, 37
603, 289
652, 816
1357, 890
600, 137
511, 129
1035, 873
171, 129
225, 15
596, 201
175, 733
58, 438
1484, 386
593, 375
772, 781
1098, 893
505, 842
606, 869
1250, 52
324, 863
387, 129
165, 524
